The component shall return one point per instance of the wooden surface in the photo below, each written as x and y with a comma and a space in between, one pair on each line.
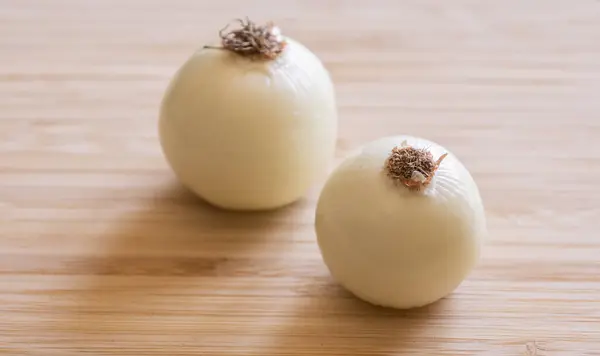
102, 253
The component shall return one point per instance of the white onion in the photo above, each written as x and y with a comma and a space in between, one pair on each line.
252, 124
398, 236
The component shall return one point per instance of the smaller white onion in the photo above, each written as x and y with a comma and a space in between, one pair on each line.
400, 222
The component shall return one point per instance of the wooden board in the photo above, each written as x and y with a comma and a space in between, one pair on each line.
102, 253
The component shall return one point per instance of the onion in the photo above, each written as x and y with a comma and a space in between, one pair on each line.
250, 124
400, 222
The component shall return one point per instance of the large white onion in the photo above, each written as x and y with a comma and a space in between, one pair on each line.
250, 125
396, 246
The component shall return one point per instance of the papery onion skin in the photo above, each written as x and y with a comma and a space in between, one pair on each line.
392, 246
246, 133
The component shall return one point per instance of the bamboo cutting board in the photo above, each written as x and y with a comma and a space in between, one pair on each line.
103, 253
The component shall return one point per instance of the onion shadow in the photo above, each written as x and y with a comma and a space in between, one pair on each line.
164, 270
328, 320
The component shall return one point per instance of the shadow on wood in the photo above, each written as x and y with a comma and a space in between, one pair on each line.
167, 274
328, 320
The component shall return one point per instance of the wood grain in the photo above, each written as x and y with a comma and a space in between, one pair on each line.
102, 253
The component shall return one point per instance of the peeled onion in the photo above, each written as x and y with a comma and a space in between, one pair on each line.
250, 124
400, 222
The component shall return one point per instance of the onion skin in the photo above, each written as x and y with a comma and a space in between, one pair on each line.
394, 247
249, 134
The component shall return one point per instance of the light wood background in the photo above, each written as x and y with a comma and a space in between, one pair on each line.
102, 253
